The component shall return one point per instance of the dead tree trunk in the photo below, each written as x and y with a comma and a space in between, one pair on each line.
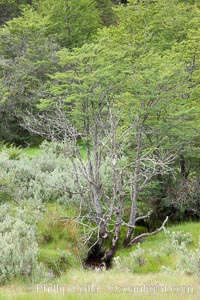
103, 207
134, 190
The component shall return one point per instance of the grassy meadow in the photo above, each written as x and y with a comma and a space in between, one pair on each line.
107, 285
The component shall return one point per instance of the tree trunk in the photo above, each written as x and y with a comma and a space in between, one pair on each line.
135, 190
117, 231
184, 172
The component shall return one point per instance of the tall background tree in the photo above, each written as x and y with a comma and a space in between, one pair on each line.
27, 48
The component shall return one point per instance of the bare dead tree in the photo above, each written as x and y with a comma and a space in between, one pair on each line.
103, 140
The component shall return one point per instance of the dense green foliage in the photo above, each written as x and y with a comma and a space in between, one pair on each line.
116, 87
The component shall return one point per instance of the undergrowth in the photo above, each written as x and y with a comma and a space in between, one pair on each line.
61, 245
176, 249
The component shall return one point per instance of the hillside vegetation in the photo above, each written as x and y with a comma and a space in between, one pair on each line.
157, 266
99, 143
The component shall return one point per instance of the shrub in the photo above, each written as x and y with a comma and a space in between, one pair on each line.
18, 247
189, 262
178, 240
44, 178
169, 254
132, 261
13, 151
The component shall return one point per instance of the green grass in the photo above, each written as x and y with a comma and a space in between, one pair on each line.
89, 285
60, 241
14, 151
192, 227
31, 151
106, 285
156, 254
156, 241
34, 150
60, 246
99, 296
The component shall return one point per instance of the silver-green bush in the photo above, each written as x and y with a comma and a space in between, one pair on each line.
189, 261
45, 177
18, 246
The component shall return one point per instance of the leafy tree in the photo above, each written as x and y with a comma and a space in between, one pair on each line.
27, 50
27, 56
170, 26
73, 23
182, 196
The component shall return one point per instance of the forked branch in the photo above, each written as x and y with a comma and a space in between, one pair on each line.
141, 237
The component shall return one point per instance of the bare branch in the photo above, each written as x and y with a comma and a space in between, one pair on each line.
144, 217
141, 237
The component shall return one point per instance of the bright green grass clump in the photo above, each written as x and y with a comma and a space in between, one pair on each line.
15, 152
31, 151
60, 244
34, 150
